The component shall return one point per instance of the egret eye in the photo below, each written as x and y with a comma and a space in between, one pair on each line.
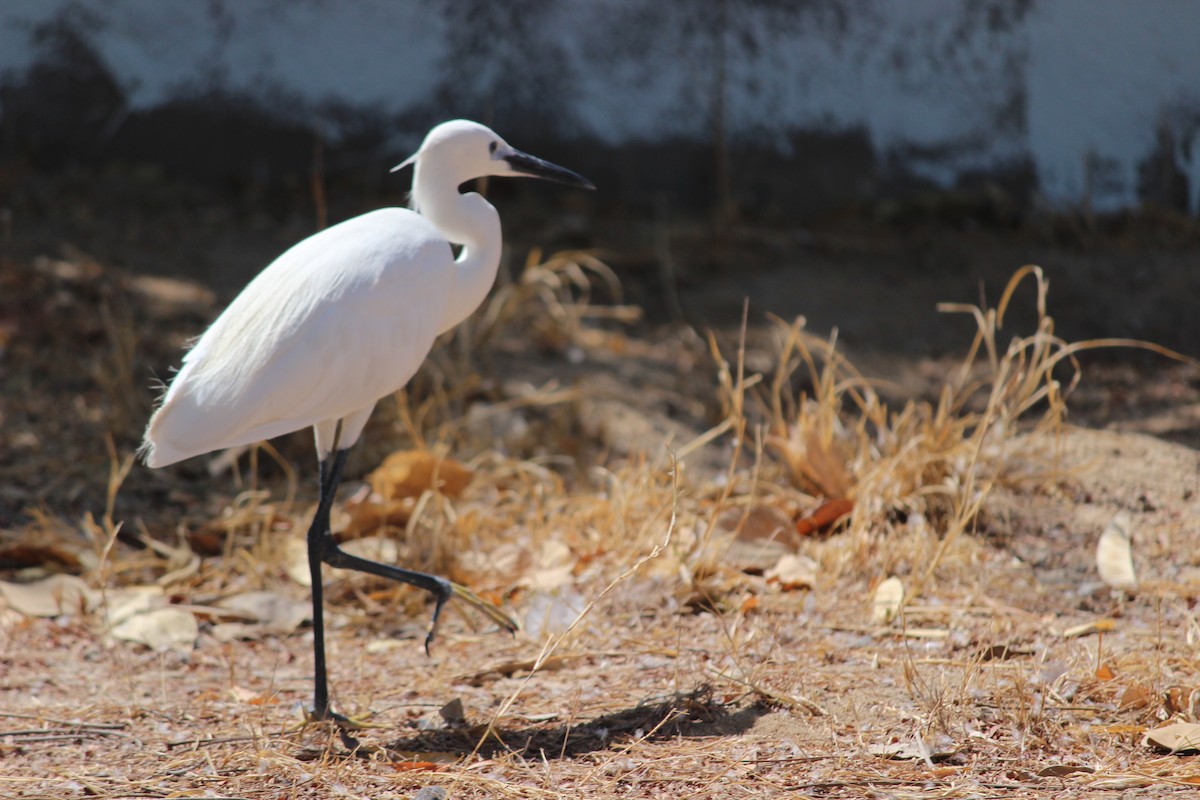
492, 147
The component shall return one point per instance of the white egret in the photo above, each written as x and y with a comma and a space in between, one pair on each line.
340, 320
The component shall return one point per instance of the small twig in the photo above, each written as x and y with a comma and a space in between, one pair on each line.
796, 701
68, 723
206, 742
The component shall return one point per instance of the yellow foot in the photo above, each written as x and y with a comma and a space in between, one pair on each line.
357, 723
344, 725
488, 609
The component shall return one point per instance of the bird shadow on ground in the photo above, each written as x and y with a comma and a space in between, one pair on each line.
690, 714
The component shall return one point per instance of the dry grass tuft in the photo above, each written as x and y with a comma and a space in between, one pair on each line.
918, 474
551, 301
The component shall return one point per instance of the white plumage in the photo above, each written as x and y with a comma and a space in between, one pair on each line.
336, 322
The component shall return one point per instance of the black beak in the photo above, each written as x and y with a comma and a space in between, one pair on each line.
534, 167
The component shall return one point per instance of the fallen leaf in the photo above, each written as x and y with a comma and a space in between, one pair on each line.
758, 524
253, 698
760, 537
826, 514
916, 749
409, 473
889, 595
1114, 553
506, 669
1182, 700
265, 613
160, 629
1061, 770
453, 712
1121, 730
50, 597
793, 572
130, 601
374, 548
749, 604
1179, 737
367, 516
1136, 696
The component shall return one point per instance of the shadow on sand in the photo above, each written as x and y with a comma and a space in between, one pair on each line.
695, 713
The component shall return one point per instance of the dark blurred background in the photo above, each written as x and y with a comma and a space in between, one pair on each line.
854, 161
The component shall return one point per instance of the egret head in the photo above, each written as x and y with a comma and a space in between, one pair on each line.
464, 150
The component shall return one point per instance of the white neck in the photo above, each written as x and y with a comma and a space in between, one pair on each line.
465, 219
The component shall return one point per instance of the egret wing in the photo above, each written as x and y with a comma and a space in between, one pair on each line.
340, 320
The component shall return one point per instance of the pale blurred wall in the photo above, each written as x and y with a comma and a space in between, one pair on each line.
1081, 94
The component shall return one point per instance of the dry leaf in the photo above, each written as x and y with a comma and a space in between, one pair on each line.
826, 515
1182, 700
1061, 770
888, 598
409, 473
454, 713
133, 600
160, 629
916, 749
1180, 737
368, 516
267, 612
506, 669
253, 698
761, 536
279, 613
410, 761
1136, 696
50, 597
793, 572
759, 524
1114, 553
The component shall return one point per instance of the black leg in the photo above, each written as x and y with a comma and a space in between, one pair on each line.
439, 587
323, 549
320, 541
